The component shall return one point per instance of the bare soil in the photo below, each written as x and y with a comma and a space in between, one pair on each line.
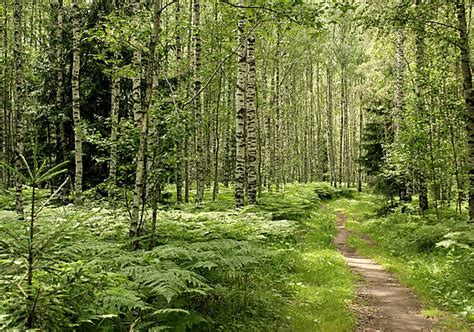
382, 303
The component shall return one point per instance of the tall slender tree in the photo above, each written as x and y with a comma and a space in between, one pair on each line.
197, 104
420, 106
60, 81
4, 96
137, 64
240, 111
76, 99
18, 100
400, 91
330, 129
277, 173
251, 120
468, 97
139, 188
180, 149
114, 119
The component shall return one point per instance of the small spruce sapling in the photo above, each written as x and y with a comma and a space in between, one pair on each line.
34, 176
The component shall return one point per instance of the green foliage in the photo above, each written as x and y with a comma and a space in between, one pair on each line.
211, 270
434, 257
325, 191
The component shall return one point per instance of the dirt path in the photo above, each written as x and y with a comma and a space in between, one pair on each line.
382, 303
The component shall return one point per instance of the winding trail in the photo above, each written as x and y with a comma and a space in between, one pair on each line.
382, 303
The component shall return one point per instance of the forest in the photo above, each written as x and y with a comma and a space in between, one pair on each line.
236, 165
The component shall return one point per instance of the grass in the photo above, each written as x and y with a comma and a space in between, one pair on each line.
324, 286
419, 251
270, 267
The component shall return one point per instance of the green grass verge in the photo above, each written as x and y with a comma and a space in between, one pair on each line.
433, 258
323, 284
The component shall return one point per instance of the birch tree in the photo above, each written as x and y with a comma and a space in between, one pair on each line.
197, 105
468, 96
139, 188
240, 111
18, 100
76, 99
251, 120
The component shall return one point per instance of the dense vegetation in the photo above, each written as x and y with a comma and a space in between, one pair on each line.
163, 163
266, 268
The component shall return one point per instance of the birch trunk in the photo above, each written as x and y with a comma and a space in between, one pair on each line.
468, 98
3, 114
251, 121
137, 65
278, 126
361, 128
180, 154
60, 90
330, 131
400, 101
420, 108
342, 128
240, 113
18, 101
215, 186
76, 100
200, 167
114, 117
400, 93
138, 193
6, 81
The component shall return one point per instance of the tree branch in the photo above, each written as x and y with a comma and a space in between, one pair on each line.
444, 24
260, 7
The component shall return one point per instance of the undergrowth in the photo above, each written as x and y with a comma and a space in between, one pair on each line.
433, 256
262, 268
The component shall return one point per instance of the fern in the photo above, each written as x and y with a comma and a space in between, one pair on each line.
121, 300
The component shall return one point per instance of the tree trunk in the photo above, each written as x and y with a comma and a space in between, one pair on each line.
468, 98
200, 167
342, 127
6, 124
330, 131
400, 103
459, 186
137, 65
179, 149
63, 154
18, 102
318, 169
251, 121
400, 92
240, 112
277, 132
420, 108
138, 193
270, 135
76, 99
114, 117
361, 129
3, 114
215, 187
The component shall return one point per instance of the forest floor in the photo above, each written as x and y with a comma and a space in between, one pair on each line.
381, 303
308, 258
